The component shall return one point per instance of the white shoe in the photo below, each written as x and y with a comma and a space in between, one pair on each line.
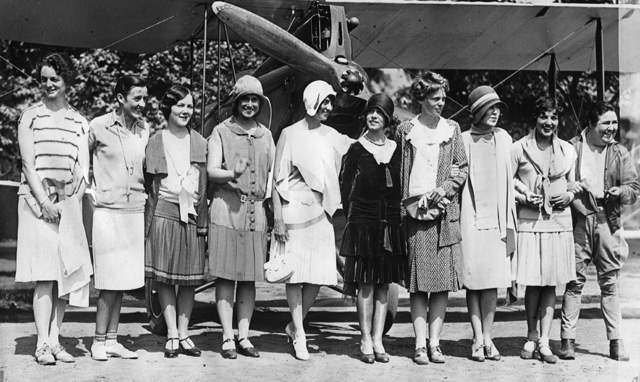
300, 347
99, 351
119, 351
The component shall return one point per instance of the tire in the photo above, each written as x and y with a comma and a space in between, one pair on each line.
154, 309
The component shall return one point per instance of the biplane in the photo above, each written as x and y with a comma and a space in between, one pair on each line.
334, 40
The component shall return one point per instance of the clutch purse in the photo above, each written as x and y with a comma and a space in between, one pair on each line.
277, 269
431, 213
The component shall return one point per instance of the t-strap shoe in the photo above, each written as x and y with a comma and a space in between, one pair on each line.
249, 351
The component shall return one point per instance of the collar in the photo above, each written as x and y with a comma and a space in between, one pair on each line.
117, 120
155, 159
442, 133
382, 154
236, 129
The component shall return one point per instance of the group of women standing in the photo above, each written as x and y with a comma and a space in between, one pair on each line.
433, 209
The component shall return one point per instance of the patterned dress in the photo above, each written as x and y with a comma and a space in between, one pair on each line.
434, 245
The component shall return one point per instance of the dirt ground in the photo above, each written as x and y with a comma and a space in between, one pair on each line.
332, 334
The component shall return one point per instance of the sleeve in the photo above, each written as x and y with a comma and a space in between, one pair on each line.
203, 215
216, 147
519, 188
347, 177
452, 185
628, 178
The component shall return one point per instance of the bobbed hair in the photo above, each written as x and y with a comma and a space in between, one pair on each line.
173, 95
126, 83
597, 110
430, 83
61, 63
545, 104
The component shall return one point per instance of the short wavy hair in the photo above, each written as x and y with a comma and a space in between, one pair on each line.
429, 83
597, 110
126, 83
61, 63
172, 97
545, 104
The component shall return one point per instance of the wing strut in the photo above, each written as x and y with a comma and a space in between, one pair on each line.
204, 70
600, 59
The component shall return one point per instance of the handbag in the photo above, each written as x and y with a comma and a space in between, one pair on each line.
278, 269
432, 213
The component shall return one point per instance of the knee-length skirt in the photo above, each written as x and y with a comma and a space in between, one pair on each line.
546, 258
174, 253
431, 268
118, 249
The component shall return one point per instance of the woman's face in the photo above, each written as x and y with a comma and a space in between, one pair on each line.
434, 103
134, 102
324, 110
604, 131
490, 117
53, 85
181, 112
248, 106
547, 123
375, 120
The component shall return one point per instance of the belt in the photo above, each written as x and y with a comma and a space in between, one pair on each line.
245, 198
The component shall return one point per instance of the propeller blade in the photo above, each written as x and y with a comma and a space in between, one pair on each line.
278, 43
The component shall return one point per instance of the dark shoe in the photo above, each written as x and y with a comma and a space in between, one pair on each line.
367, 358
381, 357
567, 348
435, 354
193, 351
617, 352
546, 355
171, 352
249, 351
420, 357
229, 353
491, 353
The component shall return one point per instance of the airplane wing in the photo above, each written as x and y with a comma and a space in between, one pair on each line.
499, 36
137, 26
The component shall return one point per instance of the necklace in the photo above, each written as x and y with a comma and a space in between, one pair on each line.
375, 143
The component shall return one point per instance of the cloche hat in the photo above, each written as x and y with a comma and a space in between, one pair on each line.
481, 99
381, 102
314, 94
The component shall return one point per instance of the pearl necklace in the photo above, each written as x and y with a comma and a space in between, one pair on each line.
375, 143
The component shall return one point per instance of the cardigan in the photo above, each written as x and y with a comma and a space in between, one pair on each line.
157, 169
451, 152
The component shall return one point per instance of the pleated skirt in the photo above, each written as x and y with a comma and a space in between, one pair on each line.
237, 255
312, 252
545, 258
174, 253
118, 249
373, 253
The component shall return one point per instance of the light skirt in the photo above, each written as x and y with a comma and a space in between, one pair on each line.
118, 249
545, 258
313, 253
485, 261
38, 258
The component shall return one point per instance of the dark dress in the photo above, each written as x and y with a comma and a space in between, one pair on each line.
373, 244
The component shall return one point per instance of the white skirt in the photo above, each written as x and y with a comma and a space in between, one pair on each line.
546, 258
38, 258
118, 249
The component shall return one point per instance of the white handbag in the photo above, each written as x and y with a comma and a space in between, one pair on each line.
277, 269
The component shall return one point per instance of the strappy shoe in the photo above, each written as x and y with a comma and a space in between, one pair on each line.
491, 353
44, 357
249, 351
299, 345
477, 352
546, 355
171, 352
61, 355
229, 353
191, 351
